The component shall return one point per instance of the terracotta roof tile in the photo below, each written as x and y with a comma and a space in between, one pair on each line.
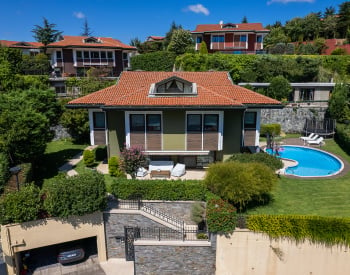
78, 41
20, 44
239, 27
213, 89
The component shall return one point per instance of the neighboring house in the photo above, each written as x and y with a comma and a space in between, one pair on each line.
305, 93
190, 117
75, 55
28, 48
153, 38
241, 38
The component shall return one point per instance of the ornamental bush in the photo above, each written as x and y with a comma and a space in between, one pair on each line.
21, 206
240, 183
155, 61
273, 129
324, 230
89, 158
159, 189
78, 195
113, 167
132, 159
264, 158
221, 216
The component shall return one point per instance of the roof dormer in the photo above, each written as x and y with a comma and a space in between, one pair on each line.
173, 86
229, 26
92, 39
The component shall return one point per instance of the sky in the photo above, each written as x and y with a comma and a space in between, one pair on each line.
128, 19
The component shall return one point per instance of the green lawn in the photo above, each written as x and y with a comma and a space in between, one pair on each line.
324, 197
56, 154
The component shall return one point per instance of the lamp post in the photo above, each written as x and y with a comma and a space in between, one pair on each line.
15, 171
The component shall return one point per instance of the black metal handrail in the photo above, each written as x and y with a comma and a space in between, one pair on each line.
139, 205
164, 234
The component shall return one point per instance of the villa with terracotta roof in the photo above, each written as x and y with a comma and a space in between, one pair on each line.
190, 117
29, 48
241, 38
75, 55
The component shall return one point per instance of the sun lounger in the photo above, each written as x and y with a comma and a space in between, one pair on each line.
309, 137
178, 170
318, 141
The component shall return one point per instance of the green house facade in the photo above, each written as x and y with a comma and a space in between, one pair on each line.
191, 117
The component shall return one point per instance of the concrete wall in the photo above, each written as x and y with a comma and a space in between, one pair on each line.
29, 235
292, 119
246, 252
175, 257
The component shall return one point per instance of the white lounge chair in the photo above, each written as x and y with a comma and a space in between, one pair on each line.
179, 170
141, 172
318, 141
309, 137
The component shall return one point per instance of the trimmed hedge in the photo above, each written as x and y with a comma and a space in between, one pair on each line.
342, 137
325, 230
264, 158
89, 158
271, 129
78, 195
156, 61
159, 189
221, 216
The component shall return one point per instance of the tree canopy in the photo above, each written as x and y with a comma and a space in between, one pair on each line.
47, 33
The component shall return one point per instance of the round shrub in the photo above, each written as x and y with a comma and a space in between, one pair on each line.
21, 206
240, 183
113, 167
89, 158
267, 159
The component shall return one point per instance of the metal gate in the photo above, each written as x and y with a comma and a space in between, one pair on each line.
129, 242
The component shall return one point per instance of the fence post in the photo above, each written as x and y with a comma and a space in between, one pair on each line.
183, 231
158, 234
138, 204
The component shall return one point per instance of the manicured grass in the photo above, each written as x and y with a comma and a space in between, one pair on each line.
324, 197
56, 154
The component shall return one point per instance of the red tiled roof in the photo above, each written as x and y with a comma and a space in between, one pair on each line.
332, 44
152, 38
239, 27
78, 41
214, 89
20, 44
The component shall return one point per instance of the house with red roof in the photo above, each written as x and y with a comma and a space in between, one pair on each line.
75, 55
241, 38
194, 118
29, 48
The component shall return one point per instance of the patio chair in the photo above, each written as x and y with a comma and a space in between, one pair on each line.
318, 141
141, 172
178, 170
309, 137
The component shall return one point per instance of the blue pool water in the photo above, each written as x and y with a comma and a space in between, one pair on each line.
311, 162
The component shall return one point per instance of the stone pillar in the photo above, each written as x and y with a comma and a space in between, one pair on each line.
296, 94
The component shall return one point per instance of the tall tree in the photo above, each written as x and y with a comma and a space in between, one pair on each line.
86, 29
244, 19
169, 34
339, 103
275, 36
46, 34
330, 11
344, 19
294, 29
181, 42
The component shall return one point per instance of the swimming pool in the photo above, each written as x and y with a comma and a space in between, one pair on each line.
310, 162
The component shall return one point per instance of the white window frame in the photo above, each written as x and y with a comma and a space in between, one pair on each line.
220, 126
91, 124
145, 113
257, 126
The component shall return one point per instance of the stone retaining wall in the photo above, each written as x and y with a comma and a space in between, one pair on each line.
114, 227
175, 259
292, 119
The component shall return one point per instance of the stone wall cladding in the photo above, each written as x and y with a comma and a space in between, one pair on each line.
292, 119
114, 227
180, 260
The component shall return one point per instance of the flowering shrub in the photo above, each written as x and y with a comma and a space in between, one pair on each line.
132, 159
221, 216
